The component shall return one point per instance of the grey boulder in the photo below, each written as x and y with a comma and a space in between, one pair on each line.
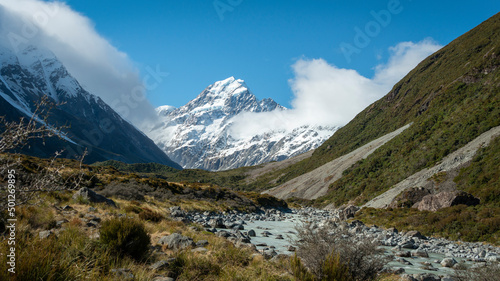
176, 241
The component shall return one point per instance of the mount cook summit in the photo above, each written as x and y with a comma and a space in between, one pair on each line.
201, 135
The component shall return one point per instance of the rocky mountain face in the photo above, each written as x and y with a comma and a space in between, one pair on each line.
199, 134
92, 125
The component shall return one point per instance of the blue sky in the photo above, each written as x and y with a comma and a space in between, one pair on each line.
259, 41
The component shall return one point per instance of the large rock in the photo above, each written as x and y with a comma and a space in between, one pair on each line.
269, 254
348, 212
176, 241
407, 277
87, 194
45, 234
409, 197
408, 244
217, 223
434, 202
420, 253
415, 234
223, 233
160, 265
202, 243
448, 262
176, 212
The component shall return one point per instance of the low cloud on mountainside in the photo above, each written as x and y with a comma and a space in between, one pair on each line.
325, 95
92, 60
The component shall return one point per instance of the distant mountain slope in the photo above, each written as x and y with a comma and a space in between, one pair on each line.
451, 97
199, 134
35, 72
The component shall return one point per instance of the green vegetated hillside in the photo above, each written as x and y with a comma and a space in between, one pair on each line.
451, 97
482, 176
474, 223
234, 179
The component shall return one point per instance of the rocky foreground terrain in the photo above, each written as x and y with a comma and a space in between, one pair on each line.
425, 258
266, 236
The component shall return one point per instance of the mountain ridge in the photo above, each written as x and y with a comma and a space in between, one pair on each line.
94, 126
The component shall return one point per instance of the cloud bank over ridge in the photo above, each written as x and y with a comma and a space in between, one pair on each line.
325, 95
100, 67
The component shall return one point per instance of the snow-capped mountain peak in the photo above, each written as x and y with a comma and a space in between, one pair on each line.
227, 88
33, 72
164, 110
230, 96
57, 83
199, 135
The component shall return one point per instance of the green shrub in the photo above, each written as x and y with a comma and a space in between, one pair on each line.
125, 236
332, 269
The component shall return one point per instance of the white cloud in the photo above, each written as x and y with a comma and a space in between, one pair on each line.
325, 95
404, 57
101, 68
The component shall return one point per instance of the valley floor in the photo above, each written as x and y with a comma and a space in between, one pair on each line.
211, 245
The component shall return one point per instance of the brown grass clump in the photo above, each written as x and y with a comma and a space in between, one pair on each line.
149, 215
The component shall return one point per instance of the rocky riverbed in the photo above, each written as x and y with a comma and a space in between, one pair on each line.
271, 232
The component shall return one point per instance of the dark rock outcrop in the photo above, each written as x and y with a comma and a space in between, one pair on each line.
348, 212
409, 197
434, 202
